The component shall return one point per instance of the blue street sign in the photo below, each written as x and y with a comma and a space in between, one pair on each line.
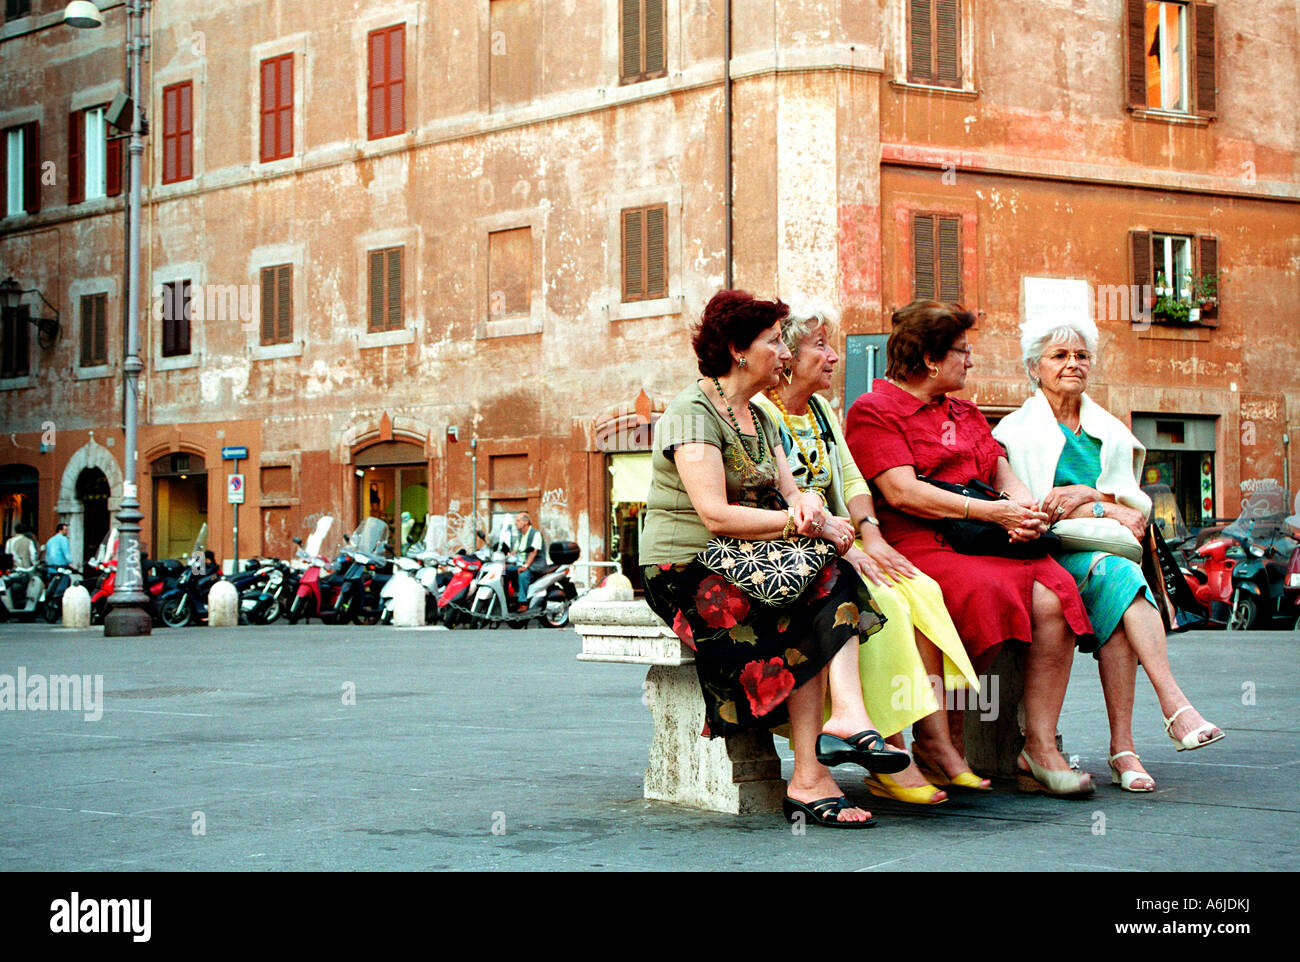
234, 454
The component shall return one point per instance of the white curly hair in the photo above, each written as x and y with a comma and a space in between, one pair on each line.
1037, 336
806, 315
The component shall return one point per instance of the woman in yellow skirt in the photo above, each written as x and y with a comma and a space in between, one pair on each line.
906, 667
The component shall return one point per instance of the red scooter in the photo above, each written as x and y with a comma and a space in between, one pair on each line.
453, 601
1215, 591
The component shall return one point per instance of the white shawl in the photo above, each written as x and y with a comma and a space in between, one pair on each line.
1034, 444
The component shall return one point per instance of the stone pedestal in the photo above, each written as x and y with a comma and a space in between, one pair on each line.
736, 774
76, 607
223, 605
992, 744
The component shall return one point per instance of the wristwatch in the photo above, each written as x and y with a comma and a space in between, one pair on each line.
869, 519
1098, 509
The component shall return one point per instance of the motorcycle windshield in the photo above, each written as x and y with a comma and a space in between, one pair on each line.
200, 546
1165, 513
107, 550
1264, 507
370, 537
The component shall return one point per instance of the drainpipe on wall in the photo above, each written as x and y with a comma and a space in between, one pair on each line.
726, 139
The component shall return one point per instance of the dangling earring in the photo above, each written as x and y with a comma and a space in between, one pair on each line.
742, 362
788, 374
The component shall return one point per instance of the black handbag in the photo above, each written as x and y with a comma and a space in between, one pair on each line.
984, 537
1179, 609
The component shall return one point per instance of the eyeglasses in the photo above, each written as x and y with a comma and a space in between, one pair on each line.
1082, 358
963, 350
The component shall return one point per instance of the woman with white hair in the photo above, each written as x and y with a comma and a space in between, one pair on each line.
1082, 462
908, 666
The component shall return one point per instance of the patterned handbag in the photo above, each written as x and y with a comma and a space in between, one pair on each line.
775, 572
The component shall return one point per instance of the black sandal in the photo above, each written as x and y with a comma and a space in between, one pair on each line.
824, 811
875, 757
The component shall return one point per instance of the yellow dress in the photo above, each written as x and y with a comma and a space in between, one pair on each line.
895, 686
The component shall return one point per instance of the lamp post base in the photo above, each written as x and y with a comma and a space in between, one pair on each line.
127, 621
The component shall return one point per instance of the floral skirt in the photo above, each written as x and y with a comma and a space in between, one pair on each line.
749, 655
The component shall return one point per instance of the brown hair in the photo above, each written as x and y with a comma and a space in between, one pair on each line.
923, 329
731, 319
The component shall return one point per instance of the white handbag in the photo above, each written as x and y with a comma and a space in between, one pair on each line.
1098, 534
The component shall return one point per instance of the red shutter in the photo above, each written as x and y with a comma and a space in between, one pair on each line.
169, 135
1207, 100
1137, 53
378, 84
178, 133
31, 167
113, 161
76, 157
185, 144
284, 109
268, 146
396, 80
1143, 276
1207, 265
923, 256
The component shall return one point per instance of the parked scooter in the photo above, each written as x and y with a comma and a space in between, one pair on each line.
21, 590
425, 569
58, 579
346, 589
187, 603
458, 591
549, 594
268, 597
1259, 576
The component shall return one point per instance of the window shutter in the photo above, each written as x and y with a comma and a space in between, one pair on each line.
377, 74
183, 322
284, 311
185, 140
171, 308
656, 275
919, 66
87, 330
396, 80
923, 256
99, 343
655, 62
1137, 53
633, 256
1207, 99
268, 305
31, 167
284, 109
631, 16
395, 289
76, 157
268, 151
376, 290
113, 161
1143, 277
949, 268
1207, 265
169, 135
948, 48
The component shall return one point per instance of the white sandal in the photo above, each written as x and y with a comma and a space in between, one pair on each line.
1191, 740
1063, 784
1126, 779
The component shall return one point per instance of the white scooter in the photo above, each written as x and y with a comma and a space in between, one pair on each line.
25, 584
549, 594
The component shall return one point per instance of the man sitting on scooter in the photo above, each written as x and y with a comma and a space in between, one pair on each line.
22, 549
526, 544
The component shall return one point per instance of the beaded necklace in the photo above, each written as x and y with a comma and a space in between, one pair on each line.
751, 462
819, 446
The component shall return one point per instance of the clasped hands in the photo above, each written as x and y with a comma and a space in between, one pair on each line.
813, 521
1074, 500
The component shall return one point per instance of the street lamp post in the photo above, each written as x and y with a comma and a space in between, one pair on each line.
128, 614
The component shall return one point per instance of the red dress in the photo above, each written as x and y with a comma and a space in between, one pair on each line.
989, 598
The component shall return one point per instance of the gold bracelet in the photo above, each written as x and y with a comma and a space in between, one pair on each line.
791, 527
965, 511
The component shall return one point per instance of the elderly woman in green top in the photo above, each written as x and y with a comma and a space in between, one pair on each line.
906, 670
718, 469
1082, 462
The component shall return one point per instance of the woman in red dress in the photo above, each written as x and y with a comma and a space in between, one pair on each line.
909, 425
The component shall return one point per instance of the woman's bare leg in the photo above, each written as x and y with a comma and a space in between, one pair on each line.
1117, 668
811, 779
1047, 672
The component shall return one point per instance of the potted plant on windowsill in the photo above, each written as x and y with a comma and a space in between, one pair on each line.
1169, 307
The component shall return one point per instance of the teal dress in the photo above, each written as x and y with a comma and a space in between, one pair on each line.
1107, 582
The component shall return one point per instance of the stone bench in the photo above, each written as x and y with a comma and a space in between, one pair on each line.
740, 773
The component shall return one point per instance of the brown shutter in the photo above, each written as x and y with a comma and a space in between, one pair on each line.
1137, 53
948, 43
923, 256
113, 161
920, 65
284, 308
1207, 100
949, 268
269, 86
87, 330
76, 157
183, 322
1143, 278
31, 167
171, 309
631, 25
633, 258
376, 290
169, 135
284, 109
395, 289
100, 344
185, 141
268, 305
1207, 265
655, 62
656, 274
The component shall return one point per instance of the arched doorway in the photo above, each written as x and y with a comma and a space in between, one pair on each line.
180, 503
93, 492
392, 484
19, 498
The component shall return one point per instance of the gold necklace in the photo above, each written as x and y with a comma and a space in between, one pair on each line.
819, 446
